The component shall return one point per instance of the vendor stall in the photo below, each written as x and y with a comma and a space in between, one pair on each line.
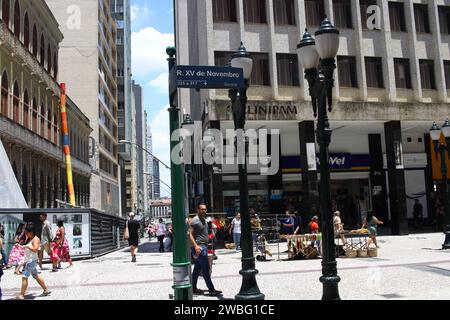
303, 246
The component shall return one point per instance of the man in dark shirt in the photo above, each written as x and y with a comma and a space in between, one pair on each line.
417, 214
198, 235
133, 240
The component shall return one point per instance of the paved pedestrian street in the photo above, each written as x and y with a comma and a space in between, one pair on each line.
407, 267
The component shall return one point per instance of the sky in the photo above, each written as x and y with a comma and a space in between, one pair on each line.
152, 32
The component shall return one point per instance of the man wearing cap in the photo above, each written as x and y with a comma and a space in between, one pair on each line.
314, 229
133, 240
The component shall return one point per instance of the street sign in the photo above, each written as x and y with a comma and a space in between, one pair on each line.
208, 77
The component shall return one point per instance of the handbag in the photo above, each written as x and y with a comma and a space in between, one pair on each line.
126, 234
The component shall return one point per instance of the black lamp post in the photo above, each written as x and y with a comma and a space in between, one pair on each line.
318, 59
442, 149
249, 288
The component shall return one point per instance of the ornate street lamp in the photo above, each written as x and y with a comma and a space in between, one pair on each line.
318, 59
249, 288
442, 149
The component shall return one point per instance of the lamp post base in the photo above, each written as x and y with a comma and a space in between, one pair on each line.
446, 244
249, 289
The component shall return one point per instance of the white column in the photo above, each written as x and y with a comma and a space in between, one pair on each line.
360, 63
300, 17
435, 28
387, 59
413, 58
272, 48
330, 14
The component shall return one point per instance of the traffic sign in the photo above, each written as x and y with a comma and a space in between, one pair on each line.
209, 77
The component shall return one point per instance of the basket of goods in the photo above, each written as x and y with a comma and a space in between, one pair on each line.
372, 252
350, 253
362, 253
359, 231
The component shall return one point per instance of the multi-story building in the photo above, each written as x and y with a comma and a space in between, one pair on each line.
145, 197
156, 181
88, 64
161, 208
140, 141
30, 118
149, 172
392, 81
121, 12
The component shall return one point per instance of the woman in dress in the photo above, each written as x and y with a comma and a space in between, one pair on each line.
60, 248
17, 255
372, 227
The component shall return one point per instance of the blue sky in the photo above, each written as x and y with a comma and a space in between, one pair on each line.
152, 32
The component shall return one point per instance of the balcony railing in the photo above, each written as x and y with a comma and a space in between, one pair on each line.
15, 132
9, 41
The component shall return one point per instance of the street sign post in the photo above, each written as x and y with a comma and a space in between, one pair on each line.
209, 77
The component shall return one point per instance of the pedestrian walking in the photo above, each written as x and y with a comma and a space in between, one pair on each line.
17, 255
133, 239
60, 248
46, 238
236, 231
198, 234
31, 262
160, 234
372, 227
3, 255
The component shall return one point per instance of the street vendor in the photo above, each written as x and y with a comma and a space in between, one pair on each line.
338, 226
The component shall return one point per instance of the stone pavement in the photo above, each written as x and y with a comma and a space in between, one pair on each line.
407, 267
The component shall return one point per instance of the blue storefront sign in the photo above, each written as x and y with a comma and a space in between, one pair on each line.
337, 161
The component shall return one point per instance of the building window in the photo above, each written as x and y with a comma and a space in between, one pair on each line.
402, 73
42, 120
444, 19
284, 11
55, 65
16, 103
35, 42
364, 6
315, 12
287, 67
397, 16
421, 17
26, 32
35, 116
42, 60
5, 94
347, 71
224, 11
427, 74
447, 73
255, 11
26, 110
5, 12
260, 73
17, 19
342, 14
374, 72
221, 58
49, 59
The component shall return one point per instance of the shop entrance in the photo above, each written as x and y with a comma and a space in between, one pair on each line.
352, 198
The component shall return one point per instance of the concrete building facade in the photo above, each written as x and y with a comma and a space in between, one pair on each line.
392, 81
30, 118
88, 65
161, 208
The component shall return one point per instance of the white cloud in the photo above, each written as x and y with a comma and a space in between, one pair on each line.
161, 144
161, 83
148, 47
